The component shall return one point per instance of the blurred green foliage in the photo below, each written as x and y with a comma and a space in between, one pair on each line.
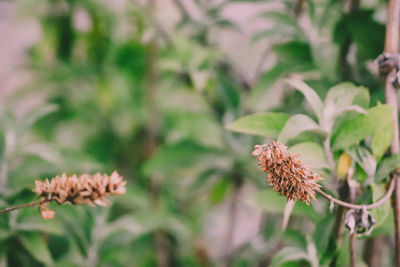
121, 91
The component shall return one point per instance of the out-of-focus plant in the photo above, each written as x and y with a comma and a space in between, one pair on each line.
151, 100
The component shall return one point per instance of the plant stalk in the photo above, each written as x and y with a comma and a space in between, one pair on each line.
227, 254
352, 197
32, 204
356, 206
391, 46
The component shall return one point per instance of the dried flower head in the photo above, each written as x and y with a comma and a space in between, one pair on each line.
85, 189
286, 173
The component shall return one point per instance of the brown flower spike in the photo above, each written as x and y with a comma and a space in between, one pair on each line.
286, 173
85, 189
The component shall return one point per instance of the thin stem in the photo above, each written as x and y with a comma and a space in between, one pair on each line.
22, 206
352, 197
352, 243
373, 250
355, 206
227, 261
298, 8
391, 46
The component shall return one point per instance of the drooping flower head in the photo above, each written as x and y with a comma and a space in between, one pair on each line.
85, 189
286, 173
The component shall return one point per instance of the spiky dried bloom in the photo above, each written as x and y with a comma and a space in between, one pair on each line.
85, 189
286, 173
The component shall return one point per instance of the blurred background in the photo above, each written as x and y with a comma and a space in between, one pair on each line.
146, 87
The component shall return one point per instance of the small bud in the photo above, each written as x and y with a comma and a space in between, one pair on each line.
331, 206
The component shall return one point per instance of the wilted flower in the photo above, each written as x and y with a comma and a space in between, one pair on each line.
85, 189
359, 221
286, 173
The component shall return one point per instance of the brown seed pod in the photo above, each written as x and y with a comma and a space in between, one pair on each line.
286, 173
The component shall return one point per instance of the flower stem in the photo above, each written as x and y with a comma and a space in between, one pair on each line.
355, 206
22, 206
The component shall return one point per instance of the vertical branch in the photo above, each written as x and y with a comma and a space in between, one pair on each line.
373, 250
227, 254
352, 197
391, 46
298, 8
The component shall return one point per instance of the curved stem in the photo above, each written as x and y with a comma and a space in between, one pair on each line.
355, 206
22, 206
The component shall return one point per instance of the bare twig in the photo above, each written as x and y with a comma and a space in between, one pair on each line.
391, 46
32, 204
227, 254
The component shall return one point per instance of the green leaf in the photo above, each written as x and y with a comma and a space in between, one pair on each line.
322, 236
265, 124
343, 257
310, 153
275, 33
382, 139
367, 34
34, 115
387, 166
346, 94
294, 55
356, 128
310, 95
294, 237
279, 18
35, 244
266, 81
184, 154
288, 254
219, 191
36, 223
364, 159
342, 98
296, 125
270, 201
382, 212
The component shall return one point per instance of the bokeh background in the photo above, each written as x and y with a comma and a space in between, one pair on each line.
146, 87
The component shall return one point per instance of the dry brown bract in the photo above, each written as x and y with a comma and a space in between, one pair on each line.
85, 189
286, 173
